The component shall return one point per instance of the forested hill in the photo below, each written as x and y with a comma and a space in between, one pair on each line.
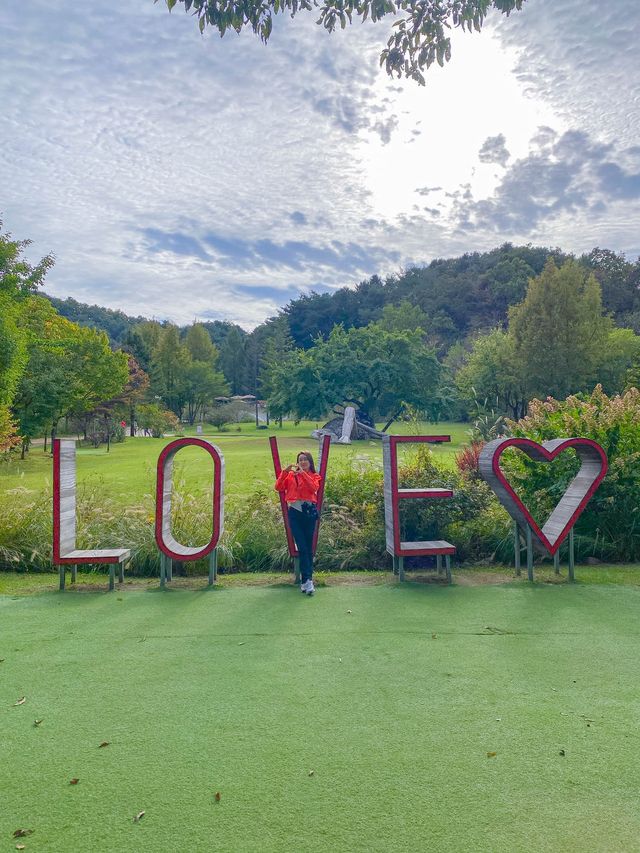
462, 295
459, 296
119, 325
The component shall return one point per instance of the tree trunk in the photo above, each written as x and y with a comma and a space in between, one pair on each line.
45, 442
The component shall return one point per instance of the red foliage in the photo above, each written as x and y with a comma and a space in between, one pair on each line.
468, 460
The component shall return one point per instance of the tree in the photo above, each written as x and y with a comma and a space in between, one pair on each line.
233, 359
18, 280
373, 369
169, 364
200, 345
419, 40
559, 331
70, 370
492, 373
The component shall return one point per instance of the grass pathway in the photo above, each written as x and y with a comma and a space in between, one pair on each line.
396, 697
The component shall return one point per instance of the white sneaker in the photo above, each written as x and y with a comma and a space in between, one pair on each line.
303, 586
309, 588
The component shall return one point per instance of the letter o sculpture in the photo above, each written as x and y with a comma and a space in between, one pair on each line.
165, 539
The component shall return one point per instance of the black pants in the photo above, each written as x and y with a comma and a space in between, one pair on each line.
303, 528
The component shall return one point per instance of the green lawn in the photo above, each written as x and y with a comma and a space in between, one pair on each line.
368, 718
128, 471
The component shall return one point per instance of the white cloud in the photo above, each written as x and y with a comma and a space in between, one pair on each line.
179, 176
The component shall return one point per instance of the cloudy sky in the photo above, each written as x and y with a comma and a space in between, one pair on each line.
185, 177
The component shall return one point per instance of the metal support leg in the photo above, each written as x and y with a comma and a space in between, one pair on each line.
572, 556
439, 563
74, 573
393, 563
213, 566
447, 562
163, 570
296, 568
169, 569
62, 573
516, 547
556, 562
121, 576
112, 576
529, 554
401, 568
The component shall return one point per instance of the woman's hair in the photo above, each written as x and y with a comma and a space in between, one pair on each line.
308, 456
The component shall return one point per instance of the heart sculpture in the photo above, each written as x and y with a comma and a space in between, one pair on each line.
592, 471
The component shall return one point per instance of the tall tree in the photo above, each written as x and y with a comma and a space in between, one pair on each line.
233, 359
420, 37
18, 280
70, 370
492, 373
559, 330
169, 364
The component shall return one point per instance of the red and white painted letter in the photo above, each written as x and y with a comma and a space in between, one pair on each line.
165, 539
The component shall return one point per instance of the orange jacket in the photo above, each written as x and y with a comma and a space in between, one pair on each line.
301, 486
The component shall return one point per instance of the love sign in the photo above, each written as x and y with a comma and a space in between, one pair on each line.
593, 467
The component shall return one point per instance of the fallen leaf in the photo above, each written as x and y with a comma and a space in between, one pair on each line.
20, 846
241, 644
562, 752
73, 781
311, 772
498, 719
434, 636
349, 611
104, 743
36, 723
217, 796
20, 701
2, 660
491, 754
138, 817
22, 833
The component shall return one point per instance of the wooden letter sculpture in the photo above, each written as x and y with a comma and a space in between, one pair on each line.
64, 519
392, 497
559, 525
169, 546
322, 470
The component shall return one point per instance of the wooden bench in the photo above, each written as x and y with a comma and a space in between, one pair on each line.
392, 497
65, 552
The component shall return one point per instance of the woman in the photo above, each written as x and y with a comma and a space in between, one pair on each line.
300, 485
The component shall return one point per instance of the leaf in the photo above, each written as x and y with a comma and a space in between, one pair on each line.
562, 752
20, 701
20, 846
217, 796
2, 660
491, 754
104, 743
73, 781
311, 772
36, 723
138, 817
22, 833
434, 636
349, 611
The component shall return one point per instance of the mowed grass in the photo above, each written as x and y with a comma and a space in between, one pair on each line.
381, 718
127, 473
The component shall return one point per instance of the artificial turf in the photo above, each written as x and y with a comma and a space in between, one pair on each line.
383, 718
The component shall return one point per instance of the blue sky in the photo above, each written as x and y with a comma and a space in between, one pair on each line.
185, 177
